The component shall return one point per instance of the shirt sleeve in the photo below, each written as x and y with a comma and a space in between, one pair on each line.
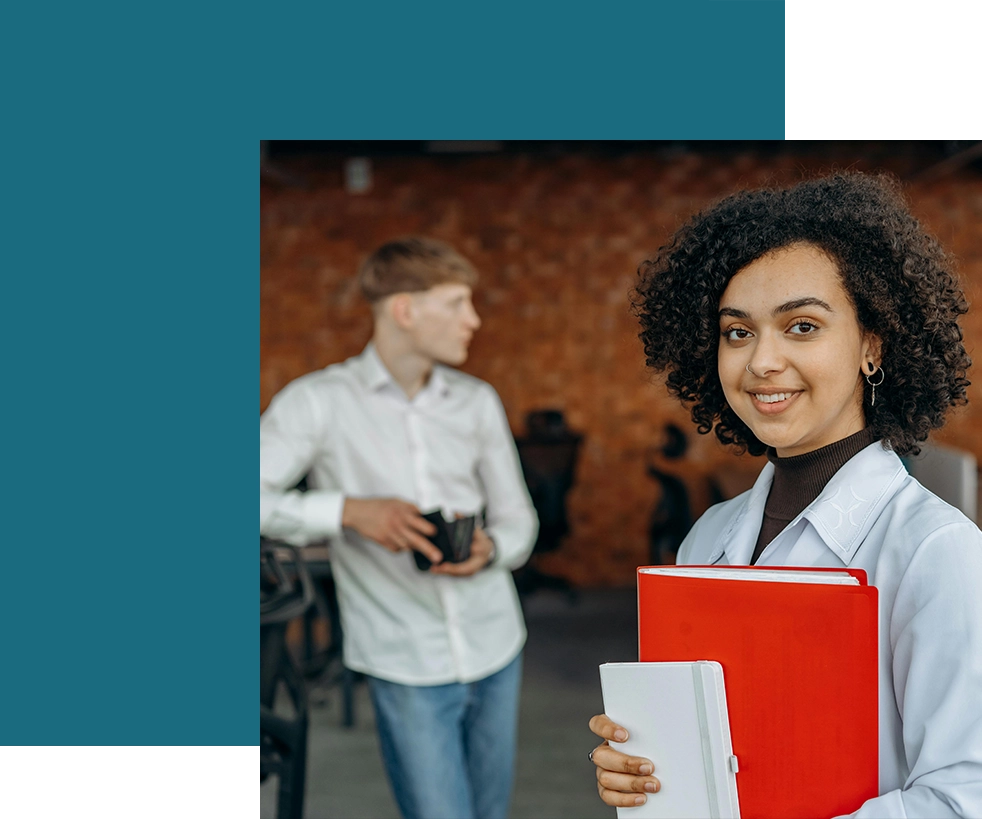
290, 434
936, 640
510, 518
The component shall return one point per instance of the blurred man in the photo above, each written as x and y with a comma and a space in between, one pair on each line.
382, 437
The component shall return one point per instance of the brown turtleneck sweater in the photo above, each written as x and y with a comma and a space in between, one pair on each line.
798, 480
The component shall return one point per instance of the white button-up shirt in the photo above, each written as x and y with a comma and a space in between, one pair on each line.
925, 558
353, 432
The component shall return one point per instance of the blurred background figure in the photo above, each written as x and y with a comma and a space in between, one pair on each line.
548, 452
396, 446
671, 517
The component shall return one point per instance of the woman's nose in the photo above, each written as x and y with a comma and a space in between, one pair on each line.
766, 358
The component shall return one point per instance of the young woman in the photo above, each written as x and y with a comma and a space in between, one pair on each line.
819, 324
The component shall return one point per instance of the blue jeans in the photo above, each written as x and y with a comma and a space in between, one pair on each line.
449, 750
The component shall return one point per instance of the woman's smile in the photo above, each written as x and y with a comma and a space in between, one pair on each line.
772, 403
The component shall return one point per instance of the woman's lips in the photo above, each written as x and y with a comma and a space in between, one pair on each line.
773, 403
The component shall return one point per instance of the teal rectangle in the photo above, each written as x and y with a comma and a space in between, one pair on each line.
132, 283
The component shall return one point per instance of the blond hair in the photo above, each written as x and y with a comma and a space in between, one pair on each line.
410, 265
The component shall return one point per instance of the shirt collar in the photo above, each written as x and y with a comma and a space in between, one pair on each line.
372, 371
842, 514
374, 375
737, 540
438, 382
851, 502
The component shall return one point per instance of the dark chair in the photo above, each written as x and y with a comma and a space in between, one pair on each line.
283, 596
548, 453
323, 667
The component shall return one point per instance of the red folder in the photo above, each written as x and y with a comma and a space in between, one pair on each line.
800, 663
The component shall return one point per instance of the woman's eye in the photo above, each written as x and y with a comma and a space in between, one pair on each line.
736, 334
803, 328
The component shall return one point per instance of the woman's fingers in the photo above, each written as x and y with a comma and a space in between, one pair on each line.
624, 790
622, 780
627, 784
608, 759
621, 800
617, 799
628, 798
605, 728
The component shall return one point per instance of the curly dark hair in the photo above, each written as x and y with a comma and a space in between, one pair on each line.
901, 282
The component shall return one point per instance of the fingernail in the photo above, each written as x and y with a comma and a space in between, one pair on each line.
649, 787
640, 800
620, 735
646, 769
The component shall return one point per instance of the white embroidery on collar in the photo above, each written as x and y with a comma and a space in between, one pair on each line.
843, 510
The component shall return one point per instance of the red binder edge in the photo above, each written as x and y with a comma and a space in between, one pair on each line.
859, 574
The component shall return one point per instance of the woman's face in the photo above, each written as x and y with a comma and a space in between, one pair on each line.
788, 317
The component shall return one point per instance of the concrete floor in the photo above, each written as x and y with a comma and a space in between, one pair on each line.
560, 692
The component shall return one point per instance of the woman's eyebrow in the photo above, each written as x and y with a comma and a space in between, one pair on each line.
795, 304
787, 307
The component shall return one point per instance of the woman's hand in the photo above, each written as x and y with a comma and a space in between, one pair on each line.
622, 780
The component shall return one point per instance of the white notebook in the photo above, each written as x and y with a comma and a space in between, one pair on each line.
676, 716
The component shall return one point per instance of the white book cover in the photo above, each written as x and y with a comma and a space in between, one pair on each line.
676, 716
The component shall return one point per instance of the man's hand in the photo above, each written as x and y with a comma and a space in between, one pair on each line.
395, 524
481, 549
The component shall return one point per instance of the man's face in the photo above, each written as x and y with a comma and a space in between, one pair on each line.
443, 322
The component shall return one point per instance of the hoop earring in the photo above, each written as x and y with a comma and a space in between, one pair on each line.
876, 384
752, 372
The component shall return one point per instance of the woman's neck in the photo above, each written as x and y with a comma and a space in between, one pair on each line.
800, 479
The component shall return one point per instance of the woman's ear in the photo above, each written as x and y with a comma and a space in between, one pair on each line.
872, 353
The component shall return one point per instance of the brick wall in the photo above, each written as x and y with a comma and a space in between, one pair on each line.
557, 240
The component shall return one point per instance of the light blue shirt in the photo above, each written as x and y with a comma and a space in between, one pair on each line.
925, 558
